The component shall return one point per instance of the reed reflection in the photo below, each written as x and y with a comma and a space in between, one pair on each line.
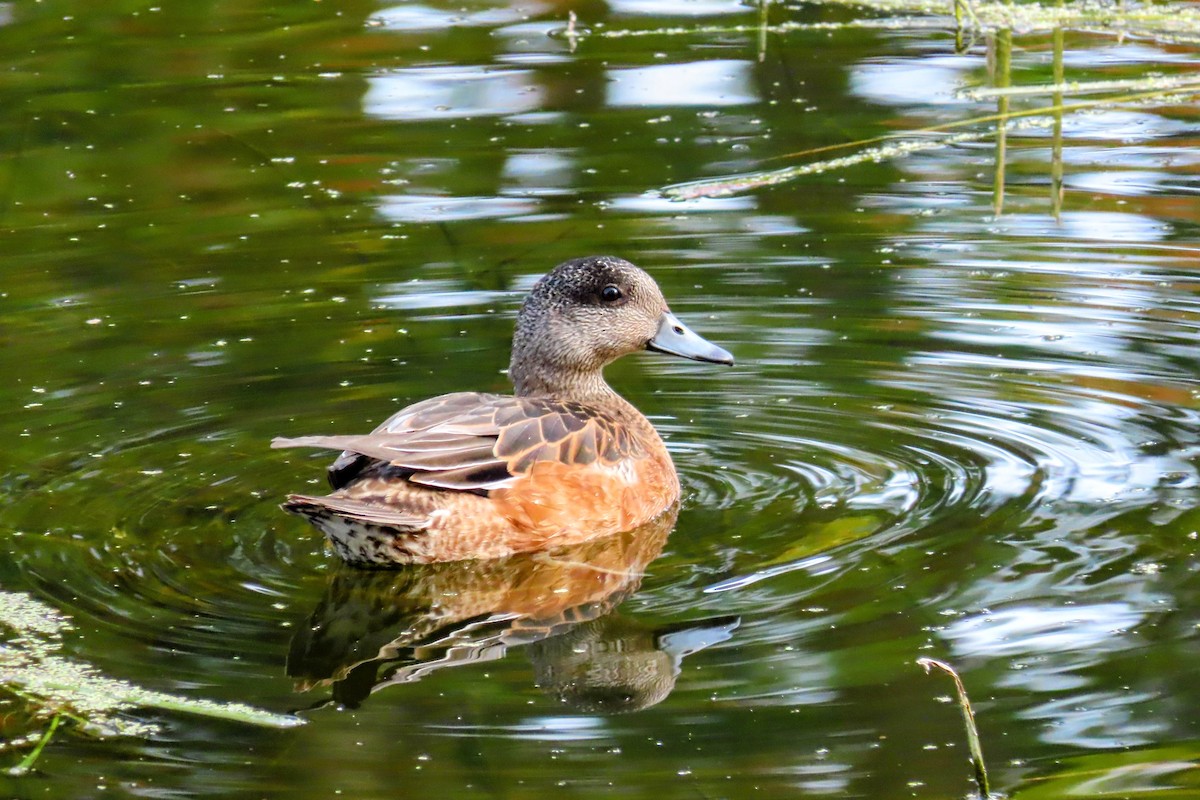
374, 629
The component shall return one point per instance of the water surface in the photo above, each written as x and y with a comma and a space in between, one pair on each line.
963, 422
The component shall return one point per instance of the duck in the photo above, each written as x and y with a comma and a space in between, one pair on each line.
562, 460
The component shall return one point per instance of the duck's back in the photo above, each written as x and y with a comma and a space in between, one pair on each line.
472, 475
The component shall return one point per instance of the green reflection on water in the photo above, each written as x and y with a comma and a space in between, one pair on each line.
948, 434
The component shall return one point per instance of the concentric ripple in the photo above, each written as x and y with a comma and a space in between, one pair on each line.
168, 542
174, 535
913, 462
944, 437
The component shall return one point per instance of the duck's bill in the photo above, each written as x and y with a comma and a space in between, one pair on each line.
677, 339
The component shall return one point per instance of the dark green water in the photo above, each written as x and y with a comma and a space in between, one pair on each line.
950, 433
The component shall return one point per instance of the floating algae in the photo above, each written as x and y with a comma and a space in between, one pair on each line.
737, 184
1006, 121
1159, 82
30, 619
1174, 22
1169, 22
55, 687
1164, 22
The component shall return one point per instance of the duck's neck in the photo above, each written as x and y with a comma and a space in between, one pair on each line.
587, 387
550, 358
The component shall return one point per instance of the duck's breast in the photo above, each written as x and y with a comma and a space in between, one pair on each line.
558, 503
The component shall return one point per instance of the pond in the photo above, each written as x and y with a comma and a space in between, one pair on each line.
963, 423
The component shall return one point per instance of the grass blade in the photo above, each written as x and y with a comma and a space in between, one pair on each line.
968, 714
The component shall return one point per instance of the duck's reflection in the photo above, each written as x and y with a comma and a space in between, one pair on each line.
616, 663
375, 628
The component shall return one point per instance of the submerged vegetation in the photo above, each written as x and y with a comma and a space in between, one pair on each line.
56, 688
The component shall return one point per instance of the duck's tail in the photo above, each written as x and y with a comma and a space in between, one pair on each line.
354, 511
364, 534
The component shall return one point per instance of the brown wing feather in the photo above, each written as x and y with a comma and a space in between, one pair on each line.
476, 442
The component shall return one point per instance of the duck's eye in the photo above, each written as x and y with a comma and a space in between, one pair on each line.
610, 293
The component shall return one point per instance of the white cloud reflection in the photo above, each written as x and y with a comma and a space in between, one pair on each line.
451, 92
423, 295
417, 17
540, 172
679, 8
436, 208
1035, 630
697, 83
924, 81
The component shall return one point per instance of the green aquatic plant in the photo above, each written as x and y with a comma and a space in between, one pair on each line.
968, 714
1169, 22
882, 148
40, 742
1148, 84
1001, 76
58, 688
998, 21
737, 184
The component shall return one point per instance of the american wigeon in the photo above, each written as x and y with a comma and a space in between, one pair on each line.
564, 460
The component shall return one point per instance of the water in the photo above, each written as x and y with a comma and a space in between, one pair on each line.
951, 432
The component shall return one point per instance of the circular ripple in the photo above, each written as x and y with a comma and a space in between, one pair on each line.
914, 460
173, 535
174, 540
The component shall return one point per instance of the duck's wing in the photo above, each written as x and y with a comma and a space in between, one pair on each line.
478, 442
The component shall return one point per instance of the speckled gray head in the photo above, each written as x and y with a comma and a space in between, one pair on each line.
588, 312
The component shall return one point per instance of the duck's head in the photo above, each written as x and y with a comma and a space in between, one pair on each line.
587, 313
